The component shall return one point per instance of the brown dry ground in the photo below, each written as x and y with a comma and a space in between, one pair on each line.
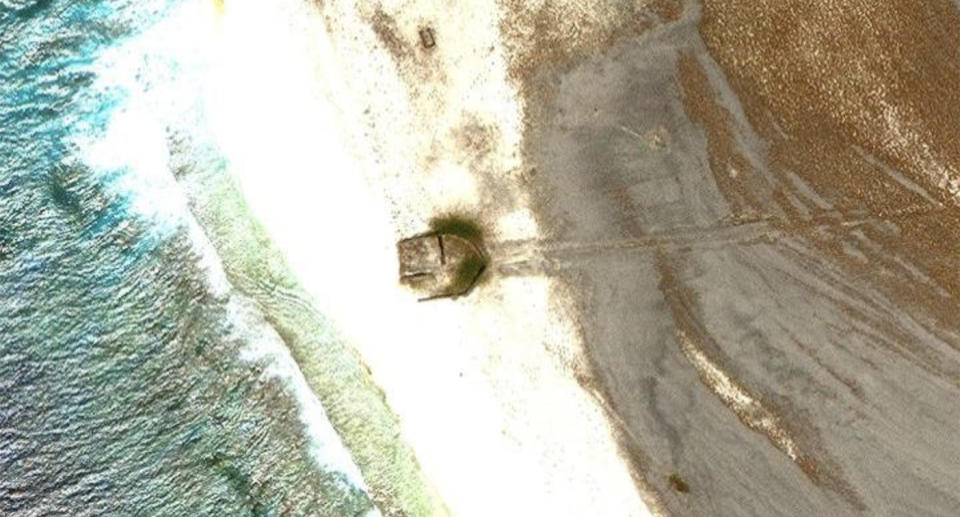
756, 204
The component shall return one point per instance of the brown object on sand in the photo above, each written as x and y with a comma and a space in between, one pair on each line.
440, 265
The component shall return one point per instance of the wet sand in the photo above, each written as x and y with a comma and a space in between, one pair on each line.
754, 206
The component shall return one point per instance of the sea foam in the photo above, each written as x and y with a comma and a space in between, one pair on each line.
154, 86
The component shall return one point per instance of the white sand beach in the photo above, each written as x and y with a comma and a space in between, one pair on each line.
762, 274
340, 152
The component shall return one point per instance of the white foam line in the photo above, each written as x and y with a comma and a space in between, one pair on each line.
161, 76
484, 387
267, 348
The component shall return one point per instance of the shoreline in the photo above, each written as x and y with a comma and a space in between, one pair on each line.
352, 404
136, 156
177, 181
485, 387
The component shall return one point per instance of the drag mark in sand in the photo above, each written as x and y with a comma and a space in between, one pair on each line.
788, 431
529, 256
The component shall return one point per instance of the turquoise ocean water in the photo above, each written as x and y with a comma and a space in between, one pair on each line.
129, 385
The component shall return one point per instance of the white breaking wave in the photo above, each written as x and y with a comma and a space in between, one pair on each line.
266, 347
498, 426
160, 76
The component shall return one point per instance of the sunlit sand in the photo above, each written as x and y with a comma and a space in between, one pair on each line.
339, 159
